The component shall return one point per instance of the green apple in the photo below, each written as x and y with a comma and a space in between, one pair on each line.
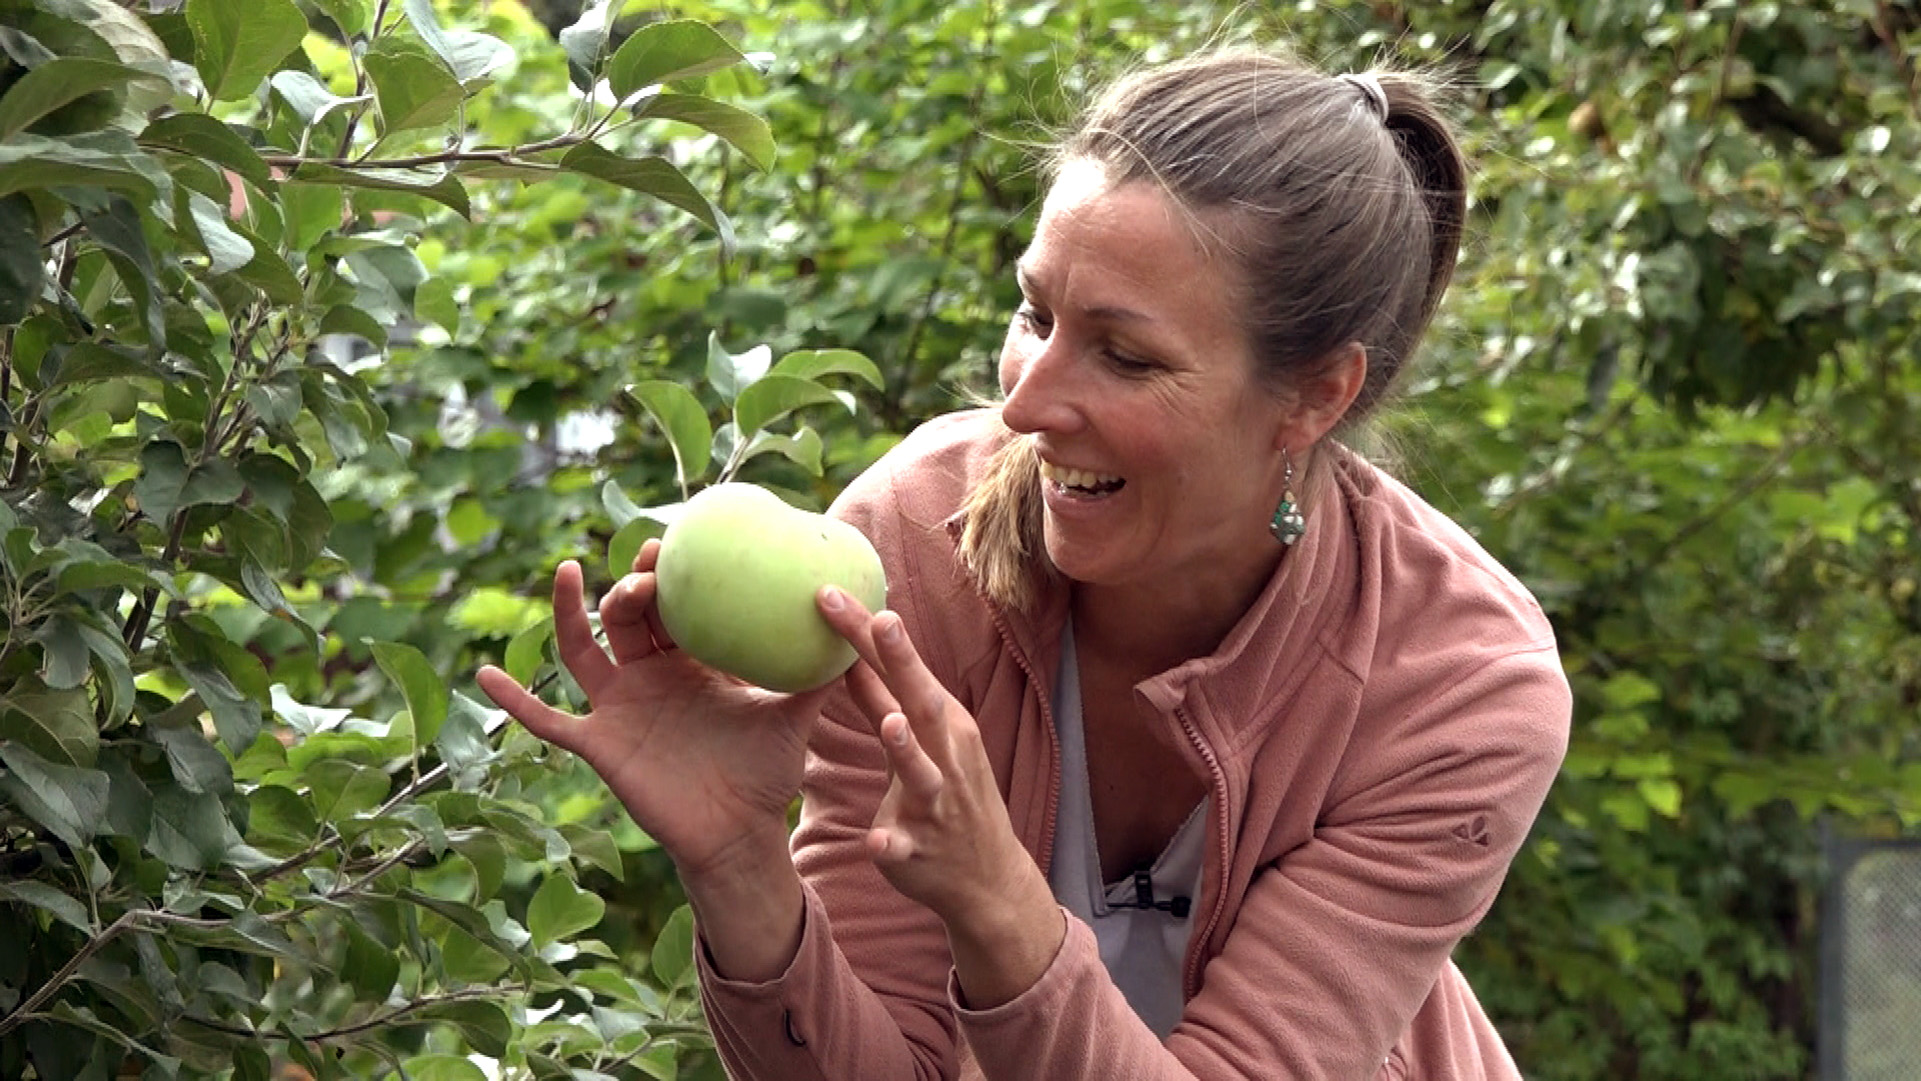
737, 575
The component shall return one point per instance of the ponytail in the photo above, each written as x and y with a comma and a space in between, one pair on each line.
1439, 170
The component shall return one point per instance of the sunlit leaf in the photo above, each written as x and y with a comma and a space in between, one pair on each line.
746, 132
666, 51
237, 43
560, 909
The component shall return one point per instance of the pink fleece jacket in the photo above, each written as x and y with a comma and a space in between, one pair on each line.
1377, 733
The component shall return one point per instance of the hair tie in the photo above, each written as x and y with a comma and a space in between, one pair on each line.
1370, 87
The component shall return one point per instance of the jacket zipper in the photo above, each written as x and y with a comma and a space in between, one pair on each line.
1052, 809
1197, 945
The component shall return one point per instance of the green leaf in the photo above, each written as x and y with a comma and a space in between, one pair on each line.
236, 717
56, 724
59, 82
66, 909
775, 396
190, 830
526, 651
311, 211
388, 277
489, 859
117, 227
667, 51
442, 1068
596, 848
226, 250
746, 132
1625, 690
197, 765
462, 741
423, 688
434, 303
216, 481
65, 653
626, 541
683, 419
68, 800
814, 363
412, 87
201, 136
1662, 794
237, 43
585, 43
560, 909
731, 373
444, 188
485, 1025
492, 611
305, 719
803, 448
32, 161
279, 813
342, 789
654, 176
309, 98
351, 16
673, 955
475, 57
370, 968
21, 267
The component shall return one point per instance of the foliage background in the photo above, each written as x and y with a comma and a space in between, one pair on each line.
1675, 389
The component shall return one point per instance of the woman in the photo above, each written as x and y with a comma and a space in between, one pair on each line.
1191, 744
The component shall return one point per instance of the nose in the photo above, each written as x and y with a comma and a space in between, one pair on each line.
1038, 387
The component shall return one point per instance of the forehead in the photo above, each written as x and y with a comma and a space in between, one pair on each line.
1098, 245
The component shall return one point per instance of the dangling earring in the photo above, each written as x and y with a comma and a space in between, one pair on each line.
1288, 525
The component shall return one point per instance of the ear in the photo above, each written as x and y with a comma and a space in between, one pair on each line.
1321, 400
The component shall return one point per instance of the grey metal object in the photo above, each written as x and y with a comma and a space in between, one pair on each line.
1870, 1017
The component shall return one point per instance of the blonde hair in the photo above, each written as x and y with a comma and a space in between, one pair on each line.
1339, 223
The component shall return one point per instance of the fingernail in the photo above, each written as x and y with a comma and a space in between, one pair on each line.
900, 733
830, 598
891, 632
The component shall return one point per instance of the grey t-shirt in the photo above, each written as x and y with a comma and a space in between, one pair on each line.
1143, 947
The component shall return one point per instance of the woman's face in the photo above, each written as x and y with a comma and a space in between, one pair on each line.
1128, 366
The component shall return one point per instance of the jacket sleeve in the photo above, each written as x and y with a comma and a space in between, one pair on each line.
1339, 942
866, 995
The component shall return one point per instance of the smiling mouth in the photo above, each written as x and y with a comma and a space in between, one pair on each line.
1081, 481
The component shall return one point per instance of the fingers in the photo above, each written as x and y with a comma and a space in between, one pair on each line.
626, 615
644, 562
907, 678
574, 636
536, 716
920, 779
870, 694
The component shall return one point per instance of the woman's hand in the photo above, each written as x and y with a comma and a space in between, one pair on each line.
706, 765
942, 835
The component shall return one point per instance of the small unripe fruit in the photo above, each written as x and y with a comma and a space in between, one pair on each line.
737, 575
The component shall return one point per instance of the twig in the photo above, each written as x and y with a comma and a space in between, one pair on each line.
94, 945
505, 155
344, 1031
904, 370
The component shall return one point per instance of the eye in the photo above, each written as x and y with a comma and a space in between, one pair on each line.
1128, 365
1034, 320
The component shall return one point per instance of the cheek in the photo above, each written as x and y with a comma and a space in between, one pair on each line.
1012, 364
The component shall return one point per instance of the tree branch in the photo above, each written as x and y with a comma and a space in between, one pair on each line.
505, 155
345, 1031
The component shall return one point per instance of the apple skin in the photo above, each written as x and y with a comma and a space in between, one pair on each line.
736, 578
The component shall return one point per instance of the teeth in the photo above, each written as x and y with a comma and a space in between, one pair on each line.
1077, 478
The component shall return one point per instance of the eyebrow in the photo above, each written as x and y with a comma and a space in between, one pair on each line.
1115, 314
